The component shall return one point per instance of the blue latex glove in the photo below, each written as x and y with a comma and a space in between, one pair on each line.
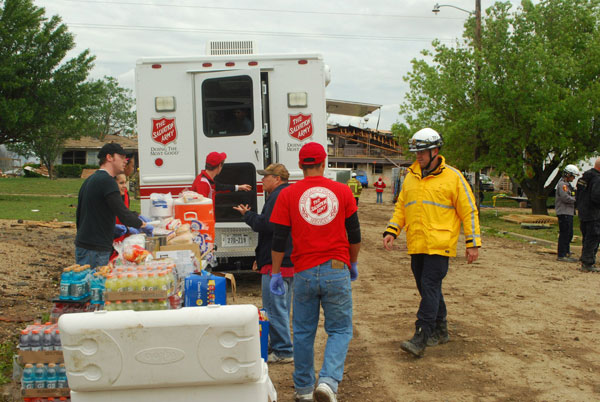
120, 230
148, 229
353, 271
144, 218
133, 231
276, 285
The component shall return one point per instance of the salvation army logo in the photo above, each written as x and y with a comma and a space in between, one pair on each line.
300, 126
163, 130
318, 206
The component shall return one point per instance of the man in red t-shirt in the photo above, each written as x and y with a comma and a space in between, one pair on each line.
379, 186
322, 217
205, 182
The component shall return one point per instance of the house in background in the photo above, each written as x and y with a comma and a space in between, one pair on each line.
373, 151
85, 150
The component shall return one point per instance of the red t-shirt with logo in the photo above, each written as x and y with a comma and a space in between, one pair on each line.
316, 208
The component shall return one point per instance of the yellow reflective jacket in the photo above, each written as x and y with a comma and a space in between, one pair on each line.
432, 208
355, 186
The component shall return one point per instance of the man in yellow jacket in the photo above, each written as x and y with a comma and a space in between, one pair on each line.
435, 199
355, 186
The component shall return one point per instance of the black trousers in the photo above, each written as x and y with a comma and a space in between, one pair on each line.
429, 271
591, 238
565, 234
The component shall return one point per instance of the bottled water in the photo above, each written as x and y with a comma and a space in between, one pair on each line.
61, 375
35, 341
51, 376
27, 382
39, 375
24, 340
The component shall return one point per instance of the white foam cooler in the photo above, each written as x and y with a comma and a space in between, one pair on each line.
192, 352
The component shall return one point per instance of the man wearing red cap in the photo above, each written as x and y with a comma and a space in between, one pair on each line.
321, 216
205, 182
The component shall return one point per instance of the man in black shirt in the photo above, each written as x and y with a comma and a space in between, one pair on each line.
98, 205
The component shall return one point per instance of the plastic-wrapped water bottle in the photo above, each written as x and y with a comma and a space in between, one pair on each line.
24, 340
56, 343
39, 375
51, 376
35, 341
27, 382
97, 289
65, 284
61, 375
47, 340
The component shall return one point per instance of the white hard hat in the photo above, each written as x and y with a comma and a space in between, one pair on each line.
426, 138
353, 174
571, 170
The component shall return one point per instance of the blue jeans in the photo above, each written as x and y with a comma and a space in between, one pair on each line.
321, 286
94, 258
379, 198
278, 311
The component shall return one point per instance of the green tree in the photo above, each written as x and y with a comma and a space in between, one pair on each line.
112, 111
538, 92
41, 94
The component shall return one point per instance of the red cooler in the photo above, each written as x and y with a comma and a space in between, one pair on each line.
200, 215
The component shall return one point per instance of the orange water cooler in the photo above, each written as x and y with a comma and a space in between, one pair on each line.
200, 215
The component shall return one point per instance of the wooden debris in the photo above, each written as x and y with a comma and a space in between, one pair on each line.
52, 225
540, 219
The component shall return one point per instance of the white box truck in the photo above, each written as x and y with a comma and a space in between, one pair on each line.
258, 108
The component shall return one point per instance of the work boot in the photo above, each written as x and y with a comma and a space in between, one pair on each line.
439, 335
589, 268
567, 259
417, 344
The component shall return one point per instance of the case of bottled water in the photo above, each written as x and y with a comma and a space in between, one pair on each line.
175, 355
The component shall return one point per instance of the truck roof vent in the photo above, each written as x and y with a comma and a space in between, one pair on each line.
230, 47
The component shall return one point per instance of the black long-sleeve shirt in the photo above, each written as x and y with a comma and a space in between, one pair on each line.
99, 203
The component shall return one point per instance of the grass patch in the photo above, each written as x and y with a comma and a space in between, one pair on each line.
490, 218
40, 185
7, 350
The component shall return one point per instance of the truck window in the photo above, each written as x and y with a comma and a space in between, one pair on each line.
235, 173
227, 108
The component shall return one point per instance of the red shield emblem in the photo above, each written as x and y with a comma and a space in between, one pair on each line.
300, 127
318, 205
163, 130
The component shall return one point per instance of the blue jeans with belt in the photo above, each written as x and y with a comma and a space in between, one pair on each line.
329, 288
278, 312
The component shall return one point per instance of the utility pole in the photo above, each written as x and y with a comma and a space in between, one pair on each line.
477, 53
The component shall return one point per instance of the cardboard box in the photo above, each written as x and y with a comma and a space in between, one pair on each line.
45, 392
175, 247
42, 356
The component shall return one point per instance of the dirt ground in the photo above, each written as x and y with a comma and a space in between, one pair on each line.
523, 327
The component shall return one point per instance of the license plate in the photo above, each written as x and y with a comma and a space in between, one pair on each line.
235, 240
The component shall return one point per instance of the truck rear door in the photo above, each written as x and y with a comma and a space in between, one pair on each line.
229, 119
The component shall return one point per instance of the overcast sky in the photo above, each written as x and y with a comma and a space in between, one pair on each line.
367, 44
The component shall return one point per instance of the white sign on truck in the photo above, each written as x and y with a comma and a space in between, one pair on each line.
259, 109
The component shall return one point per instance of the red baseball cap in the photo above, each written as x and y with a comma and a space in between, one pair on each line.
215, 158
312, 153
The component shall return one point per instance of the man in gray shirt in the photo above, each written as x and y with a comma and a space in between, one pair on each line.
565, 209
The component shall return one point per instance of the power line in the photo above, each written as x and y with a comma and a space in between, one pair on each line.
265, 10
260, 33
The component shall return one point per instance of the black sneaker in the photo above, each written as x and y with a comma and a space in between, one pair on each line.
589, 268
417, 344
440, 334
567, 259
